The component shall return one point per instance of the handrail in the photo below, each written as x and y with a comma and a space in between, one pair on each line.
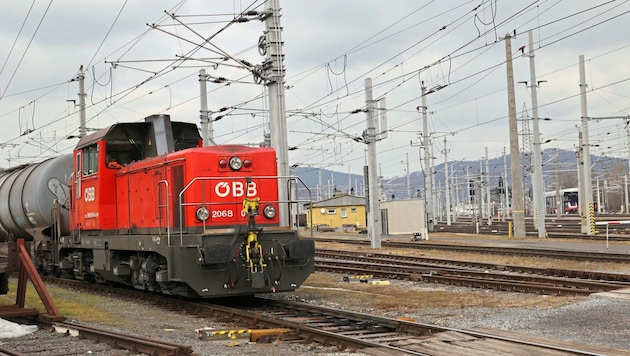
310, 200
197, 179
168, 216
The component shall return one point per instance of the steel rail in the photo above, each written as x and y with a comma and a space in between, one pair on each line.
486, 249
403, 259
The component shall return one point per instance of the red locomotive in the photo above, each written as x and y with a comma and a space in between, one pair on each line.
147, 206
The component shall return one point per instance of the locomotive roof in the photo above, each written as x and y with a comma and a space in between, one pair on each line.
134, 130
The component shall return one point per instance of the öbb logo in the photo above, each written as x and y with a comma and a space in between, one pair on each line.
235, 189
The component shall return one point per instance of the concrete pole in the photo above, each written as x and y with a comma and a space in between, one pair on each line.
625, 191
599, 198
515, 165
204, 117
447, 185
580, 175
374, 212
408, 179
588, 191
506, 185
482, 206
456, 200
559, 203
428, 175
489, 207
469, 197
320, 187
81, 79
277, 111
539, 192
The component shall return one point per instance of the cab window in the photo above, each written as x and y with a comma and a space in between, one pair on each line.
120, 153
90, 160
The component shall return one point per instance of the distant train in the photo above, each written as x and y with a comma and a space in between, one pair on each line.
145, 205
568, 198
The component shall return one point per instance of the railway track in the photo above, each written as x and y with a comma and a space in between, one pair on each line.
470, 274
386, 336
370, 334
486, 249
67, 338
563, 227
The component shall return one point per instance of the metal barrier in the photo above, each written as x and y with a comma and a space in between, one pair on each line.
608, 223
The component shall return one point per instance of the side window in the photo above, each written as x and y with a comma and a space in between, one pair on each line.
90, 160
77, 164
122, 152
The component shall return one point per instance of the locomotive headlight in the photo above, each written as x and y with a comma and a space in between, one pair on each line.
202, 214
269, 212
236, 163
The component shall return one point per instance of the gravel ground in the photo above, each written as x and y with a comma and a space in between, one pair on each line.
594, 320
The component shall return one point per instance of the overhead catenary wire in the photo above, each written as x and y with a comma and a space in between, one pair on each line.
350, 130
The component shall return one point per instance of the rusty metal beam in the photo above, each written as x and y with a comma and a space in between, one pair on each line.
26, 269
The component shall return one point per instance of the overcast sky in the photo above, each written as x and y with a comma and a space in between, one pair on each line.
134, 70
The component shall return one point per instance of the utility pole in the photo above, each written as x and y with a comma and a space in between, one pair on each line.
408, 179
369, 135
587, 203
489, 207
599, 198
81, 79
207, 132
274, 59
480, 194
517, 179
506, 186
448, 186
581, 187
538, 182
559, 205
482, 210
320, 187
469, 189
428, 175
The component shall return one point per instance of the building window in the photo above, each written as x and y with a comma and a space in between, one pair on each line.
344, 213
332, 211
353, 210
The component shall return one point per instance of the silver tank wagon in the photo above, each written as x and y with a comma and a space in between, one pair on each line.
29, 196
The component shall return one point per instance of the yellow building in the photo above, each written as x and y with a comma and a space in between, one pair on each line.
341, 213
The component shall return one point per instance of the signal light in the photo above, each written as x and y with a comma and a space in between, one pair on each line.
223, 163
247, 163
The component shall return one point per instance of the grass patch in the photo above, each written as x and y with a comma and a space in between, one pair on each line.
418, 296
72, 305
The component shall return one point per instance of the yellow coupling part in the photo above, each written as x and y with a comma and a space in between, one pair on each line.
250, 206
